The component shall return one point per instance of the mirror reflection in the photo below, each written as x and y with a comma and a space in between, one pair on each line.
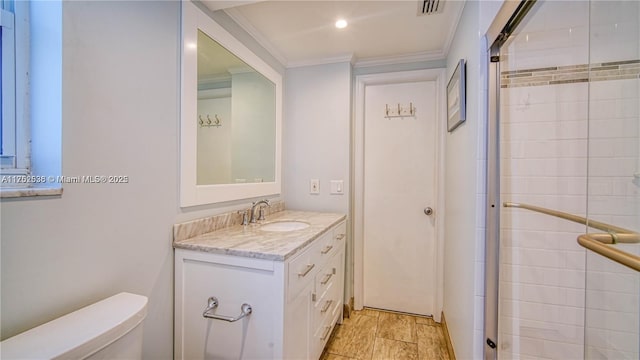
236, 119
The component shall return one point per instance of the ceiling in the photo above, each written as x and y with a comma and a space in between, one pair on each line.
302, 32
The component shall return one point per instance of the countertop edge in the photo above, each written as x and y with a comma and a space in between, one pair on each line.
313, 238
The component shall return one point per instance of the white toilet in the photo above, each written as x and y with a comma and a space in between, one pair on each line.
108, 329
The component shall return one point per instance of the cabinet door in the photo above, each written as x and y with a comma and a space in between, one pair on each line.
298, 325
250, 338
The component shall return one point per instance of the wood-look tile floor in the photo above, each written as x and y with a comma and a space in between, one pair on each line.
380, 335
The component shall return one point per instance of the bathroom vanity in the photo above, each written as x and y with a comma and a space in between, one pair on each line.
268, 291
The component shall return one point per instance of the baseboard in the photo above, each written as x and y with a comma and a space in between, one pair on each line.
347, 309
445, 330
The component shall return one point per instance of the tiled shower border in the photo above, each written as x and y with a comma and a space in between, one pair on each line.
617, 70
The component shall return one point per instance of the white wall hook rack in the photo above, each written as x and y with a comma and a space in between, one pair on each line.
209, 123
399, 110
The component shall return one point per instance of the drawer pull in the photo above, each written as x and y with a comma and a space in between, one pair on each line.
327, 330
340, 236
326, 279
213, 302
306, 270
327, 249
326, 306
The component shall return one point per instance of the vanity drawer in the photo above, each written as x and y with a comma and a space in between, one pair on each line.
320, 338
322, 333
325, 307
327, 276
340, 233
335, 242
328, 291
303, 269
323, 311
327, 246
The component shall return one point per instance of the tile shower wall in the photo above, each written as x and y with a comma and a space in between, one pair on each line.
569, 102
544, 147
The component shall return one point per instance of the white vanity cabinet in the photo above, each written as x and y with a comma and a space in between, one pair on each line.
295, 303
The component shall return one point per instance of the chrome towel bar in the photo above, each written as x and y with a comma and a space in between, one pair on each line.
622, 257
212, 303
575, 218
598, 243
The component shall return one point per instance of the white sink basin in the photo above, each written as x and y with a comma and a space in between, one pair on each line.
283, 226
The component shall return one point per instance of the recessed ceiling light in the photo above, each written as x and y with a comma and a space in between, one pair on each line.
341, 24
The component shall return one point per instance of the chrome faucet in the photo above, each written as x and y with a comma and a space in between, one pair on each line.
252, 211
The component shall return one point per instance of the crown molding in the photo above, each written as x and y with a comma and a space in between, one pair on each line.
242, 21
322, 61
215, 5
401, 59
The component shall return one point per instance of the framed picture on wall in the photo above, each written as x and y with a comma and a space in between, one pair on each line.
456, 102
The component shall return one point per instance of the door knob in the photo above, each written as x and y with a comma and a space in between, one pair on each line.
428, 211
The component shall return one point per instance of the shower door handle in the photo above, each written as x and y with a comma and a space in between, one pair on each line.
428, 211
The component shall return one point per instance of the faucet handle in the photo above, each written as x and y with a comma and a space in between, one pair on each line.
261, 213
245, 217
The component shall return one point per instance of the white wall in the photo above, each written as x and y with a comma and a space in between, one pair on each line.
460, 194
120, 105
317, 113
120, 109
316, 138
465, 189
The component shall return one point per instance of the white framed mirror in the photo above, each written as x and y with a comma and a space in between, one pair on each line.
231, 116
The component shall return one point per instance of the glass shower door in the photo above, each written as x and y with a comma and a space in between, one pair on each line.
543, 165
612, 324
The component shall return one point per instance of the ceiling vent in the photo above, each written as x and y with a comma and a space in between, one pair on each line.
428, 7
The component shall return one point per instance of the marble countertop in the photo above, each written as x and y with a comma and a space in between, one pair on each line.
250, 241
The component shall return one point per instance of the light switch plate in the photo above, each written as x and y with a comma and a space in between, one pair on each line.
314, 186
337, 187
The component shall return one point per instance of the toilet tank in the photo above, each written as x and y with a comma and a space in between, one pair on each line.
108, 329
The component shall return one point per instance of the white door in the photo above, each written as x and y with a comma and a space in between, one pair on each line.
399, 183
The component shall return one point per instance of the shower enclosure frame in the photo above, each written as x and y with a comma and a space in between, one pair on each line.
506, 20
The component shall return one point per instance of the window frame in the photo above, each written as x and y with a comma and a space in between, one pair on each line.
15, 158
